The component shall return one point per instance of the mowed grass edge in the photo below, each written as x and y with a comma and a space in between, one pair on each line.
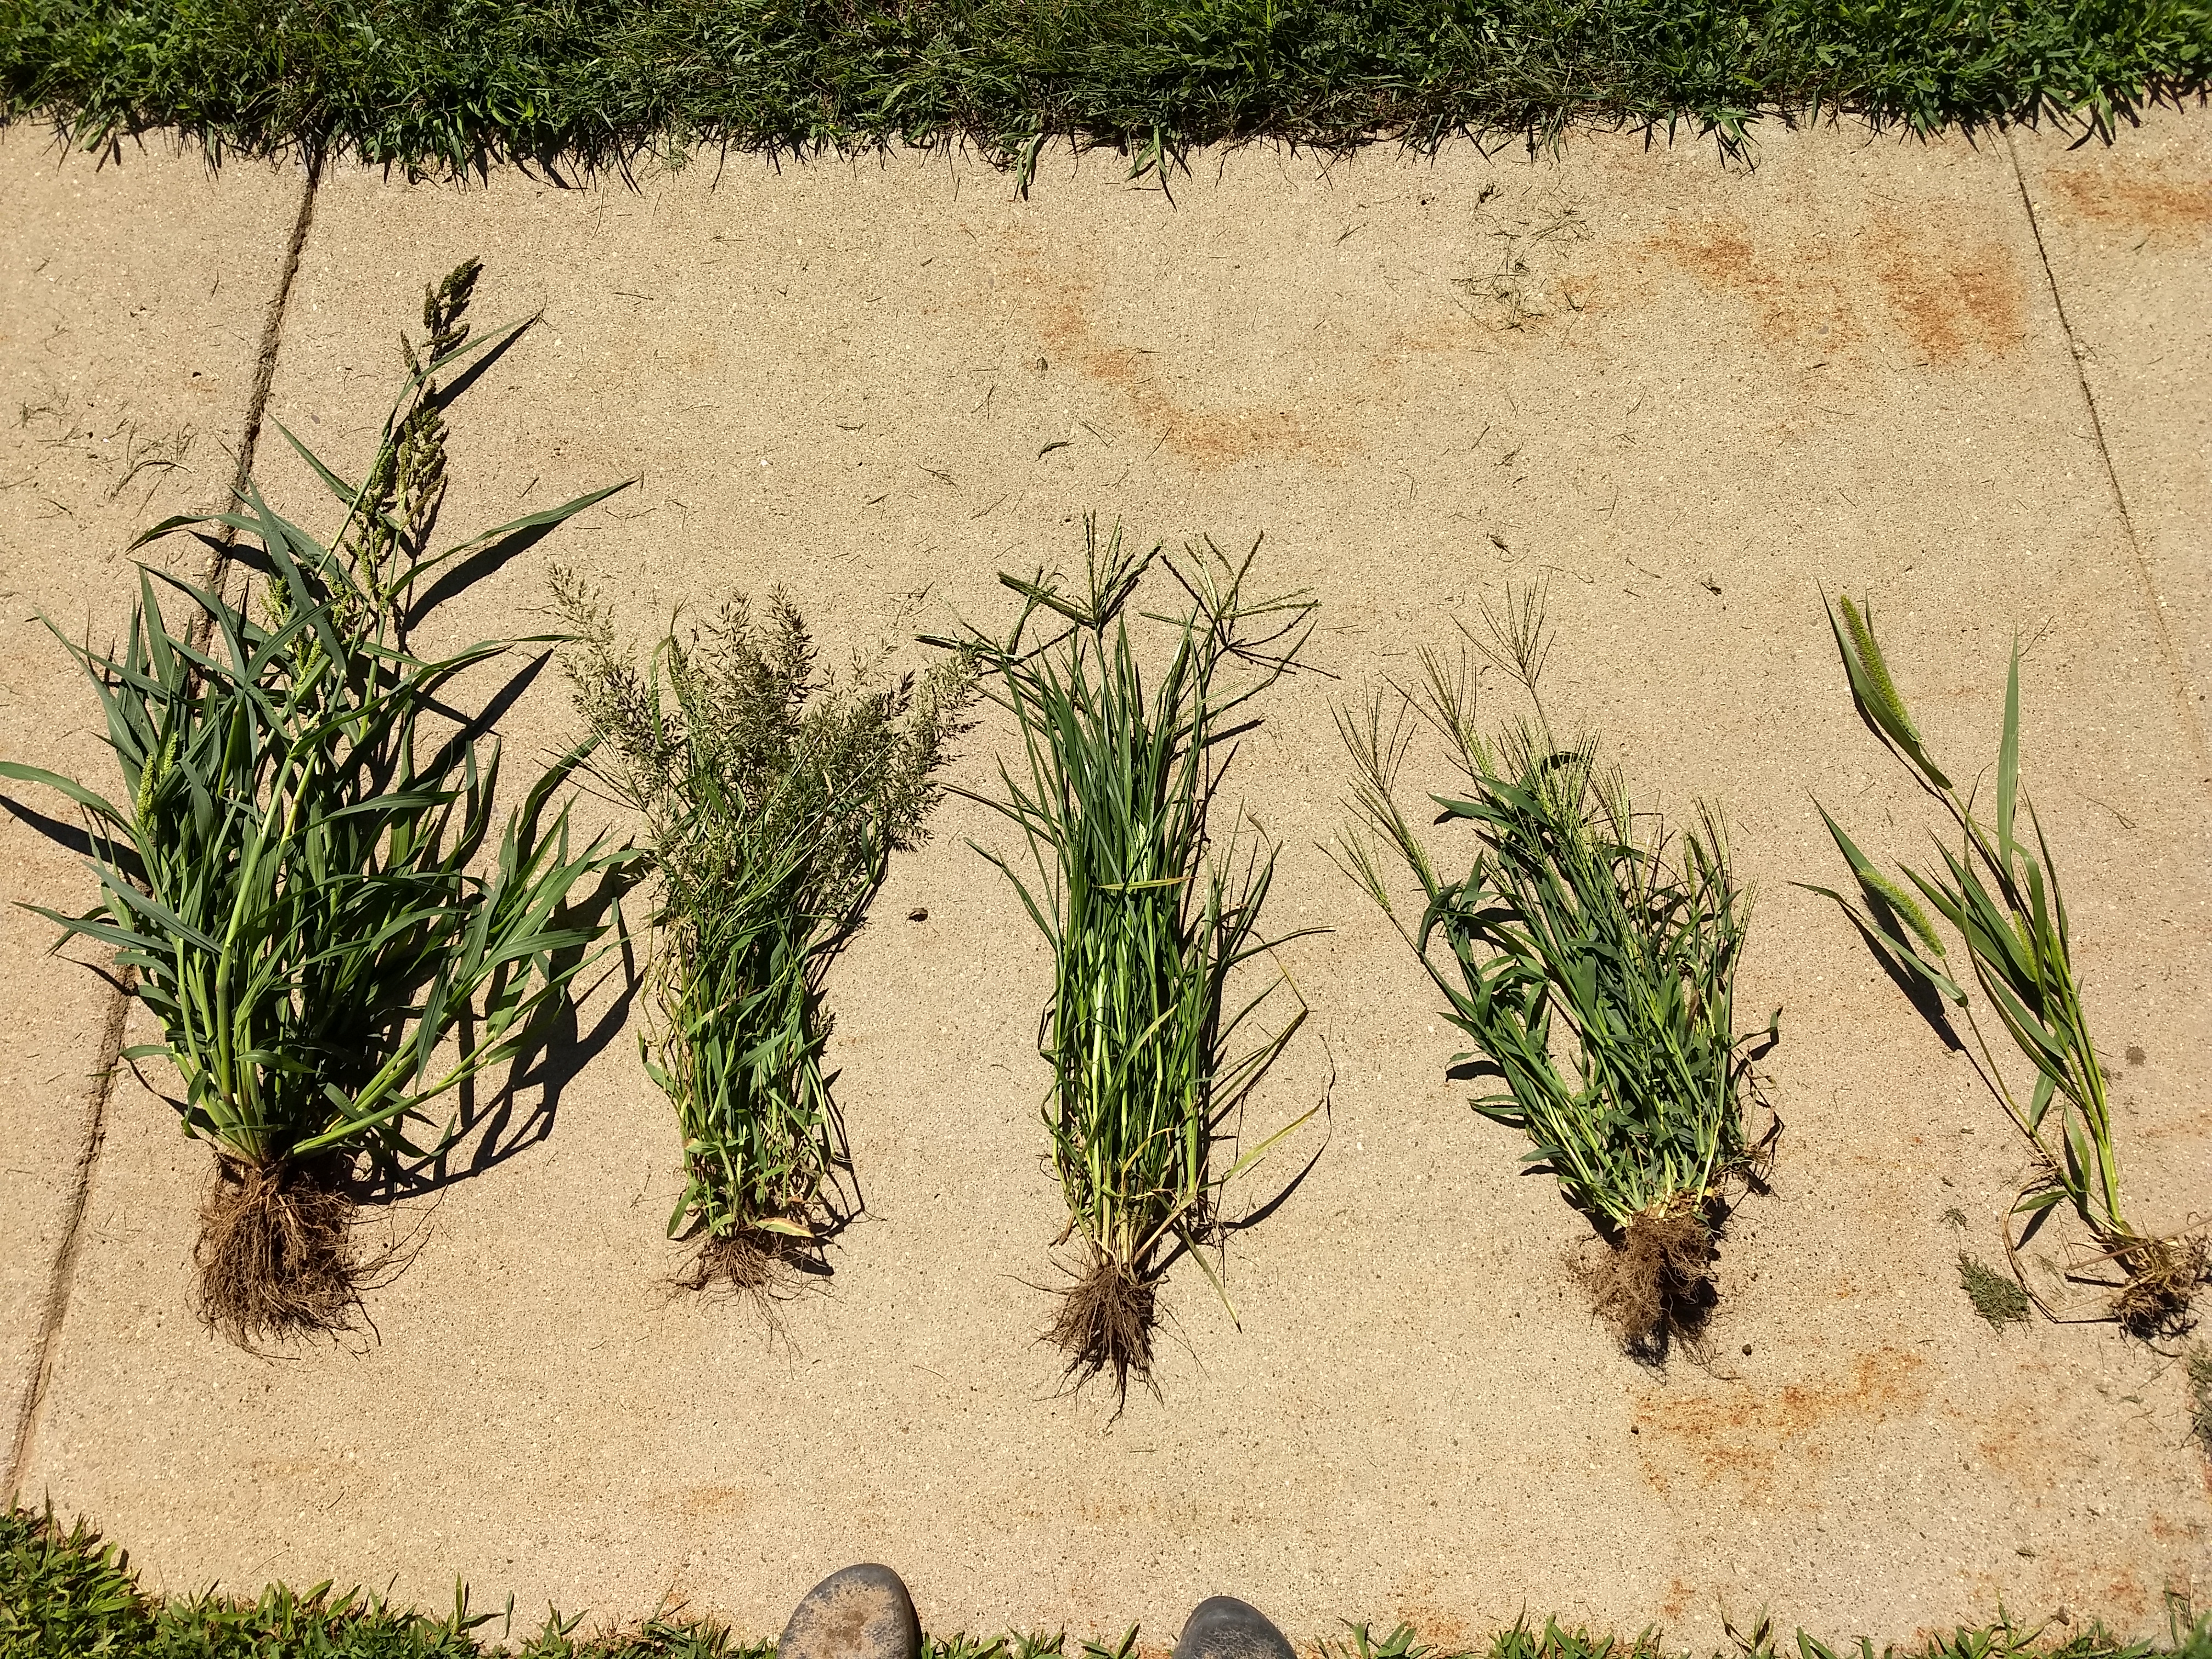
448, 86
67, 1591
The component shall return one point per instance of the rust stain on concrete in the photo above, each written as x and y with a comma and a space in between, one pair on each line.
1955, 300
1064, 310
1795, 299
1737, 1434
709, 1502
1959, 301
1418, 1599
2143, 198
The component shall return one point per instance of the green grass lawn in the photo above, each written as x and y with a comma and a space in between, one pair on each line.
64, 1593
442, 85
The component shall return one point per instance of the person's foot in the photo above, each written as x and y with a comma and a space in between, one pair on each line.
1222, 1627
859, 1613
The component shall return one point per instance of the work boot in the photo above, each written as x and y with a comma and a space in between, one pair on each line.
1222, 1627
857, 1612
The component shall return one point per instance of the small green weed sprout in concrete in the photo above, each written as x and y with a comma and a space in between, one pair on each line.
1150, 908
2002, 898
1591, 957
303, 875
773, 798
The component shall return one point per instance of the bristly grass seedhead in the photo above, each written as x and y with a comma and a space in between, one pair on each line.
307, 882
2002, 897
1582, 928
773, 797
1149, 908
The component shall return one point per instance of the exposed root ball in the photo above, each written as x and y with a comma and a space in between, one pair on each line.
1655, 1282
1105, 1324
275, 1252
2163, 1274
749, 1261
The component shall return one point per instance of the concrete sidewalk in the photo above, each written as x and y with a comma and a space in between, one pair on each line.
1965, 380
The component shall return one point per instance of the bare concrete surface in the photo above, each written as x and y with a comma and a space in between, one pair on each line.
131, 301
2128, 236
1689, 397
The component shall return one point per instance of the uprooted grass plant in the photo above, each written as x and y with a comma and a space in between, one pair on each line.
293, 878
2005, 901
773, 798
1149, 917
1590, 957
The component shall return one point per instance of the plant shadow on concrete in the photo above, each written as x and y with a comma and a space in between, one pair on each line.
773, 798
1590, 956
1152, 906
2002, 898
307, 883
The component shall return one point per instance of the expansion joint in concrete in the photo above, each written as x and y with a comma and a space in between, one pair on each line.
63, 1277
2177, 676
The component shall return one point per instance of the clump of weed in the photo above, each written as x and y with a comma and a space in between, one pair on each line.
1148, 922
1996, 1297
773, 797
304, 879
1591, 957
2004, 900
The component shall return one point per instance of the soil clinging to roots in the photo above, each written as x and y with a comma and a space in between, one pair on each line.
1104, 1323
752, 1262
277, 1256
1655, 1281
2163, 1274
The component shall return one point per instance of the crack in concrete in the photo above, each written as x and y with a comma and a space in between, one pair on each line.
64, 1275
2177, 673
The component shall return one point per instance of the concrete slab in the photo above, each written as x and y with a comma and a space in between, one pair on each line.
2128, 233
1688, 398
131, 301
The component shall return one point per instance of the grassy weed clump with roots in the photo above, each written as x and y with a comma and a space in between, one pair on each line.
1590, 957
2002, 898
773, 798
305, 877
1149, 919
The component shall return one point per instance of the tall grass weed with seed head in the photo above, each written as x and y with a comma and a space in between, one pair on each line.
1589, 956
307, 880
1149, 918
2002, 898
773, 799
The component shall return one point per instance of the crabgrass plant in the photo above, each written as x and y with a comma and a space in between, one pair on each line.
2002, 898
1148, 919
304, 876
773, 798
1590, 957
